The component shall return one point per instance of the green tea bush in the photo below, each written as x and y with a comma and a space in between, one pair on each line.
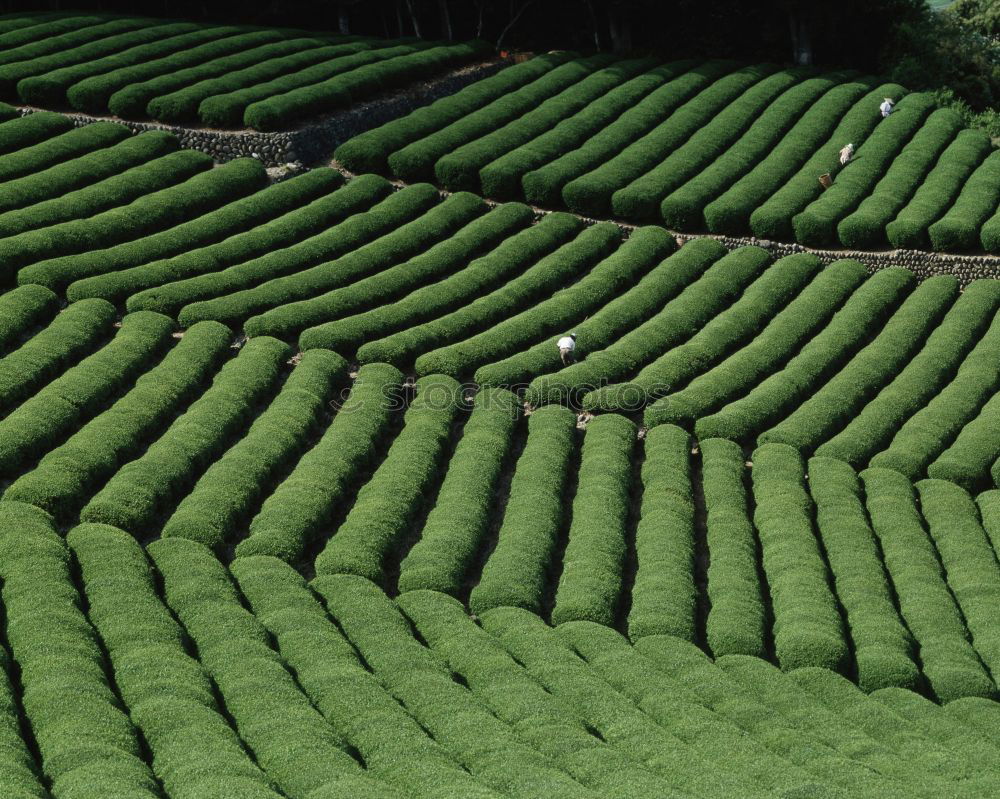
807, 624
612, 270
787, 331
73, 333
234, 485
591, 194
683, 292
926, 604
968, 559
664, 593
591, 579
294, 515
460, 168
976, 204
91, 95
622, 313
169, 694
382, 326
967, 461
670, 85
67, 475
844, 394
155, 481
516, 571
22, 132
870, 429
369, 151
46, 418
503, 176
401, 226
737, 617
929, 431
388, 503
285, 110
77, 721
60, 148
458, 522
772, 218
642, 197
290, 740
541, 279
442, 259
150, 213
730, 212
883, 646
21, 310
908, 173
716, 334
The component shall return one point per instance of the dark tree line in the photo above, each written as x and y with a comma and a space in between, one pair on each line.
871, 35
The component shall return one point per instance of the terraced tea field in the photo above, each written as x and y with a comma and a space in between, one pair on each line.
298, 499
707, 146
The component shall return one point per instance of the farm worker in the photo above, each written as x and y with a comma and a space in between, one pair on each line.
566, 346
886, 107
846, 154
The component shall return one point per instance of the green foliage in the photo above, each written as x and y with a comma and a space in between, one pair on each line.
369, 151
772, 218
290, 740
856, 381
233, 486
516, 571
664, 593
74, 332
438, 262
660, 283
865, 227
642, 197
787, 331
283, 110
416, 160
591, 194
929, 431
66, 476
170, 696
737, 616
976, 204
460, 168
21, 310
925, 602
609, 273
591, 579
870, 428
967, 461
385, 327
92, 94
720, 328
883, 647
295, 513
807, 624
38, 424
399, 227
54, 150
77, 721
457, 524
388, 503
155, 481
150, 213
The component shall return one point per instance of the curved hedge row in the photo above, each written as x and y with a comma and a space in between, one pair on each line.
58, 149
976, 204
21, 310
67, 475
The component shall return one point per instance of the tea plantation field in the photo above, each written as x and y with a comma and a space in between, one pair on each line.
298, 499
218, 76
713, 145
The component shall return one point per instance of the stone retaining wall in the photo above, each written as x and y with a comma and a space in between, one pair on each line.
316, 141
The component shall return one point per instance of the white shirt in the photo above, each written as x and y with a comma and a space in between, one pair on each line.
566, 343
885, 108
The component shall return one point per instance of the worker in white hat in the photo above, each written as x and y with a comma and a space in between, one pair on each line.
846, 154
886, 107
566, 345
